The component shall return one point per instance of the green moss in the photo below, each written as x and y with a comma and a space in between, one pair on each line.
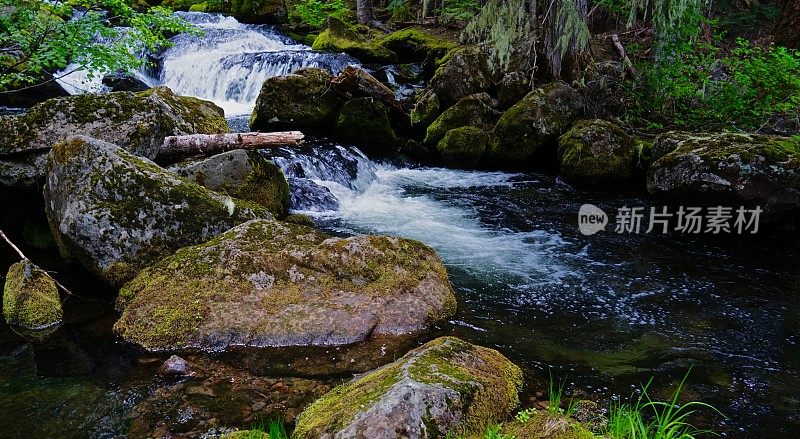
257, 11
542, 424
365, 122
339, 37
414, 45
303, 220
30, 297
426, 109
246, 434
464, 146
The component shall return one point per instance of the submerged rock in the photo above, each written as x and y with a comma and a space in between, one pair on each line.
463, 147
30, 297
339, 37
246, 175
175, 366
303, 100
474, 110
445, 386
124, 82
718, 168
137, 122
532, 126
596, 152
283, 285
463, 72
364, 122
117, 213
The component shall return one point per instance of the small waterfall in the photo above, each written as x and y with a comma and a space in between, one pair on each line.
226, 65
313, 170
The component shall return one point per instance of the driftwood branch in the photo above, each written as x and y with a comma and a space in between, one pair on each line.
625, 60
176, 148
25, 258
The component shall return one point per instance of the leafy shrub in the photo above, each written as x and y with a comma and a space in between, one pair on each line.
698, 87
459, 10
315, 12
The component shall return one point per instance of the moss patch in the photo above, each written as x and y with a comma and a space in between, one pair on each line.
339, 37
365, 122
30, 297
596, 152
464, 146
415, 45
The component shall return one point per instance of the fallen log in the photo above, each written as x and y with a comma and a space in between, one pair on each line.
176, 148
625, 60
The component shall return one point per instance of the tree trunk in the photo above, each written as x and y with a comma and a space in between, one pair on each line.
787, 29
365, 12
176, 148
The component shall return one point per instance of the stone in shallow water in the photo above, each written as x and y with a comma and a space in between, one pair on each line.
445, 386
175, 366
117, 213
291, 288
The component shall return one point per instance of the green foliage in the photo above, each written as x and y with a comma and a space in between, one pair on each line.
523, 416
501, 24
401, 10
459, 11
702, 88
493, 432
648, 419
315, 12
277, 430
38, 36
555, 399
674, 21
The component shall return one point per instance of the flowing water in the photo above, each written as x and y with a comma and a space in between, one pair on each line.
605, 312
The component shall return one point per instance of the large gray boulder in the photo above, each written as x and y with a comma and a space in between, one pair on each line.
287, 286
446, 386
117, 213
727, 168
137, 122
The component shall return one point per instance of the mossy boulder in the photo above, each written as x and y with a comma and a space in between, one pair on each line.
512, 88
463, 72
137, 122
445, 386
734, 168
339, 37
287, 286
532, 126
596, 152
117, 213
30, 297
365, 122
604, 90
475, 110
303, 100
463, 147
246, 175
414, 45
354, 82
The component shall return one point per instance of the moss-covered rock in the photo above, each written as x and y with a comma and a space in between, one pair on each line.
339, 37
446, 386
280, 285
463, 147
117, 213
354, 82
416, 45
512, 88
246, 434
30, 297
246, 175
303, 100
463, 72
596, 152
604, 90
474, 110
137, 122
735, 168
365, 122
532, 126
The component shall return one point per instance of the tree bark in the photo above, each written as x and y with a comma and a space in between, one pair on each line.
787, 29
365, 12
176, 148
